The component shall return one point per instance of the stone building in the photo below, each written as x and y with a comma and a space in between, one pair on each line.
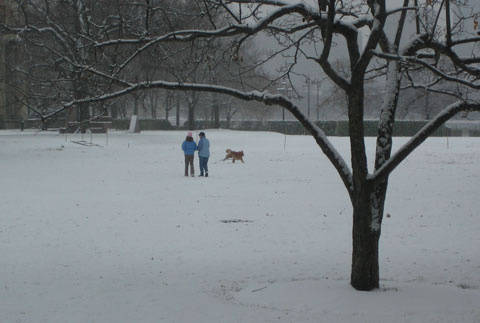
11, 111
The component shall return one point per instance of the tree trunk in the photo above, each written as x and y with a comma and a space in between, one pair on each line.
114, 111
365, 271
135, 104
428, 109
177, 113
192, 100
229, 118
216, 114
83, 111
369, 202
365, 202
367, 217
153, 105
167, 105
191, 117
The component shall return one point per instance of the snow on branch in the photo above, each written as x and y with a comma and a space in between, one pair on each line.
227, 31
438, 72
267, 98
376, 32
400, 9
266, 2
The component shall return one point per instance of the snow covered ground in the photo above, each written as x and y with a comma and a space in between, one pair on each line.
116, 233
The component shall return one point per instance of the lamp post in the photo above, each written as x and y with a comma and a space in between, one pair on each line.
308, 96
287, 92
318, 103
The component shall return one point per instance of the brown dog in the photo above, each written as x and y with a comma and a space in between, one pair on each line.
234, 155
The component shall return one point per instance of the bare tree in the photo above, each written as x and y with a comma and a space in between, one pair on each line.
310, 31
55, 38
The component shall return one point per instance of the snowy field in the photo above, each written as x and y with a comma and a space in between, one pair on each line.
116, 233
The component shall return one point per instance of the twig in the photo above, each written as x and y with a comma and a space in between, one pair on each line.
257, 290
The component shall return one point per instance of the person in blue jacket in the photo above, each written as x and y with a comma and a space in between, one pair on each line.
203, 153
189, 146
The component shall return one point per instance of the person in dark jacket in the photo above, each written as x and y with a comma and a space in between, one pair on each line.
203, 153
189, 146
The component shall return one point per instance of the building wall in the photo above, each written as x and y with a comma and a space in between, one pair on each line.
3, 111
9, 108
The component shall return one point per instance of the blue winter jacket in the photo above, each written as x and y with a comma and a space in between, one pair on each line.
189, 147
203, 147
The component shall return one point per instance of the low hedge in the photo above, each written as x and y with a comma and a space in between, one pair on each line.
331, 128
402, 128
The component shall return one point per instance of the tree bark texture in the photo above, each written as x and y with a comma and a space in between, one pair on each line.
191, 117
83, 111
367, 216
366, 231
216, 114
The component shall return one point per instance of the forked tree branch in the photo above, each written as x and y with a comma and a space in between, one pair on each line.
430, 67
421, 136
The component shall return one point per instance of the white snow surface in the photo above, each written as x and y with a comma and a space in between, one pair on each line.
116, 233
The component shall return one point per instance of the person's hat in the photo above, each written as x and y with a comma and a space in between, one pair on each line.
189, 134
202, 134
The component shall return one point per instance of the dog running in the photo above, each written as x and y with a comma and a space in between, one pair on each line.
234, 155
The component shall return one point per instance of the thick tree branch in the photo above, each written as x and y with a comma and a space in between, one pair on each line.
401, 25
269, 99
378, 9
421, 136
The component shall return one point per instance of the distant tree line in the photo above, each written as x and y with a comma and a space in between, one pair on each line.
63, 45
